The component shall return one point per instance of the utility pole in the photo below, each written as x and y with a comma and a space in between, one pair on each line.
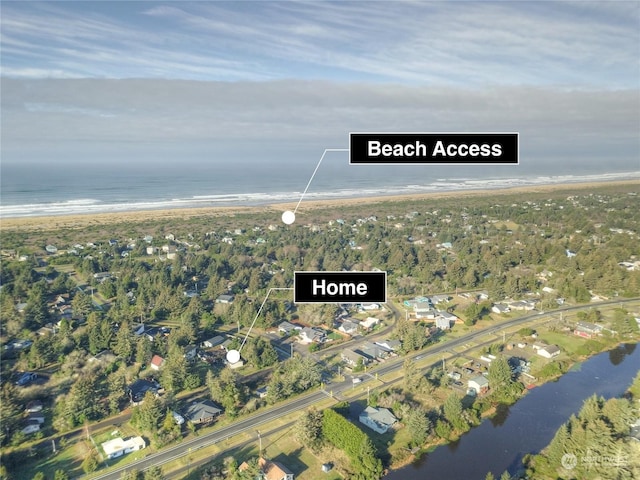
260, 443
368, 392
443, 364
291, 349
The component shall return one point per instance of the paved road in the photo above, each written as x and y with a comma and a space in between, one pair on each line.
252, 422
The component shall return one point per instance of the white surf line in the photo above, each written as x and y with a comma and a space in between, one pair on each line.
258, 314
314, 172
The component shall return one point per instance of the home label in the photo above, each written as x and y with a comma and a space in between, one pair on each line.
341, 287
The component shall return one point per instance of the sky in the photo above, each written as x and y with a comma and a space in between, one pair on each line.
122, 80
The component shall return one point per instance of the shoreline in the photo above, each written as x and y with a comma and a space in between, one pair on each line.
77, 221
428, 448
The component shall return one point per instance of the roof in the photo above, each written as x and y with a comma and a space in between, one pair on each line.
157, 361
353, 356
117, 444
138, 388
551, 349
202, 411
481, 381
273, 470
382, 416
214, 341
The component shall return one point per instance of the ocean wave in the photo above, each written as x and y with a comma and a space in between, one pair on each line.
89, 205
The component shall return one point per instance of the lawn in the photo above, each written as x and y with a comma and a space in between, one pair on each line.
567, 342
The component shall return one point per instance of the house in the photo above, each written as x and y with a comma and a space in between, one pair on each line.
34, 406
349, 327
156, 362
190, 352
538, 345
369, 323
137, 390
288, 328
225, 298
202, 412
274, 470
435, 299
30, 427
587, 329
369, 306
478, 384
500, 308
443, 323
549, 351
269, 470
522, 305
213, 342
377, 419
262, 392
309, 335
118, 447
421, 308
179, 419
373, 351
36, 418
390, 345
353, 358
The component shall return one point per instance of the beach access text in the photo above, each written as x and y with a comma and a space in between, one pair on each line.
433, 148
341, 287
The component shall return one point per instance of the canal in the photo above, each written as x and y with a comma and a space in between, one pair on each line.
501, 442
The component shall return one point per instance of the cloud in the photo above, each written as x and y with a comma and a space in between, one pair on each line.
580, 125
452, 43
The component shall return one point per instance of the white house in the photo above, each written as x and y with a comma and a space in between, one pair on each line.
369, 323
369, 306
479, 384
118, 447
500, 308
377, 419
549, 351
443, 323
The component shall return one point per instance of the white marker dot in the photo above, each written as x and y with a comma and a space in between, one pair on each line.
233, 356
288, 217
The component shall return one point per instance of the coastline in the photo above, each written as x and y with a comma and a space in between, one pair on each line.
78, 221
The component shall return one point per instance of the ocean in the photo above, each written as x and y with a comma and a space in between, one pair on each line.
46, 190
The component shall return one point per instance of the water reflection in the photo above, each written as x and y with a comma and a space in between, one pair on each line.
501, 415
616, 356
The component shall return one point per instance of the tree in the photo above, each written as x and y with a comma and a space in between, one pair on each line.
175, 370
418, 424
153, 473
149, 414
130, 475
225, 390
503, 387
81, 304
124, 343
453, 412
91, 462
61, 475
308, 429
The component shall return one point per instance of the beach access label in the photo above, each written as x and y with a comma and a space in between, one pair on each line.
342, 287
433, 148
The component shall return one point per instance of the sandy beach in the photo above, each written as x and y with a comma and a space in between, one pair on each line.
82, 221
